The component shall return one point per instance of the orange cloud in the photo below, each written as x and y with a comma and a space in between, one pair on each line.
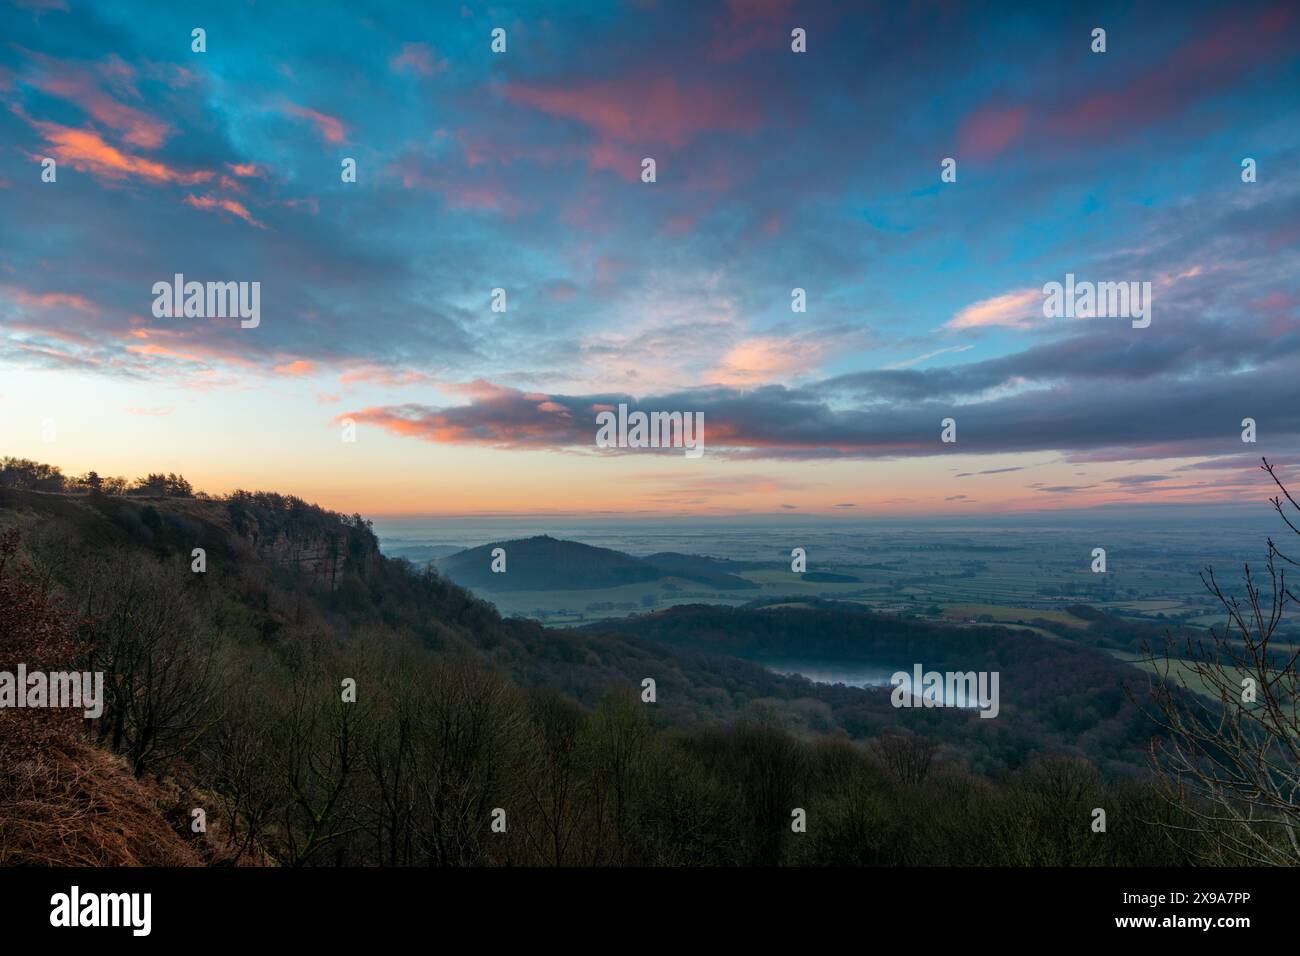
296, 367
545, 429
213, 203
200, 362
162, 351
50, 300
86, 151
78, 86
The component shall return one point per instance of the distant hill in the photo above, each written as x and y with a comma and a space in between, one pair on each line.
544, 563
421, 553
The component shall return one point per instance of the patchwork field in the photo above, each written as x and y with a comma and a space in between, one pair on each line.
1010, 615
1013, 574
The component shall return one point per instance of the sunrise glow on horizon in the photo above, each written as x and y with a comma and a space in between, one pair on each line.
776, 171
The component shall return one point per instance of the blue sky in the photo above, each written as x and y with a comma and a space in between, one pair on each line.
775, 170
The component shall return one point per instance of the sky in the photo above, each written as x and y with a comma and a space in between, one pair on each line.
775, 170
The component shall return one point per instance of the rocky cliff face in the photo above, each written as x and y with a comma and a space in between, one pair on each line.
319, 544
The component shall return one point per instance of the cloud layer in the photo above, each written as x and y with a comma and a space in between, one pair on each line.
776, 171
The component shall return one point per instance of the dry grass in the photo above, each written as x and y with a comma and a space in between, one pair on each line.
77, 805
64, 801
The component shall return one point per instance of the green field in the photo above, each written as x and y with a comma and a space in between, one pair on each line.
1178, 671
1010, 615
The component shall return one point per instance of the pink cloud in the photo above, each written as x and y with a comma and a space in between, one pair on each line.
50, 300
476, 197
41, 330
1020, 309
331, 128
751, 25
204, 354
1217, 55
80, 87
1282, 311
176, 77
1274, 302
217, 203
1221, 51
505, 418
641, 111
765, 359
418, 58
561, 290
681, 225
988, 131
309, 203
161, 351
382, 375
472, 189
479, 389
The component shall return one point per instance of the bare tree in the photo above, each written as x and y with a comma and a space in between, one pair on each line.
315, 755
620, 739
157, 660
908, 758
1227, 704
240, 764
471, 726
558, 793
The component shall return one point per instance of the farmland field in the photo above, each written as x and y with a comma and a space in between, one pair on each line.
1004, 573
